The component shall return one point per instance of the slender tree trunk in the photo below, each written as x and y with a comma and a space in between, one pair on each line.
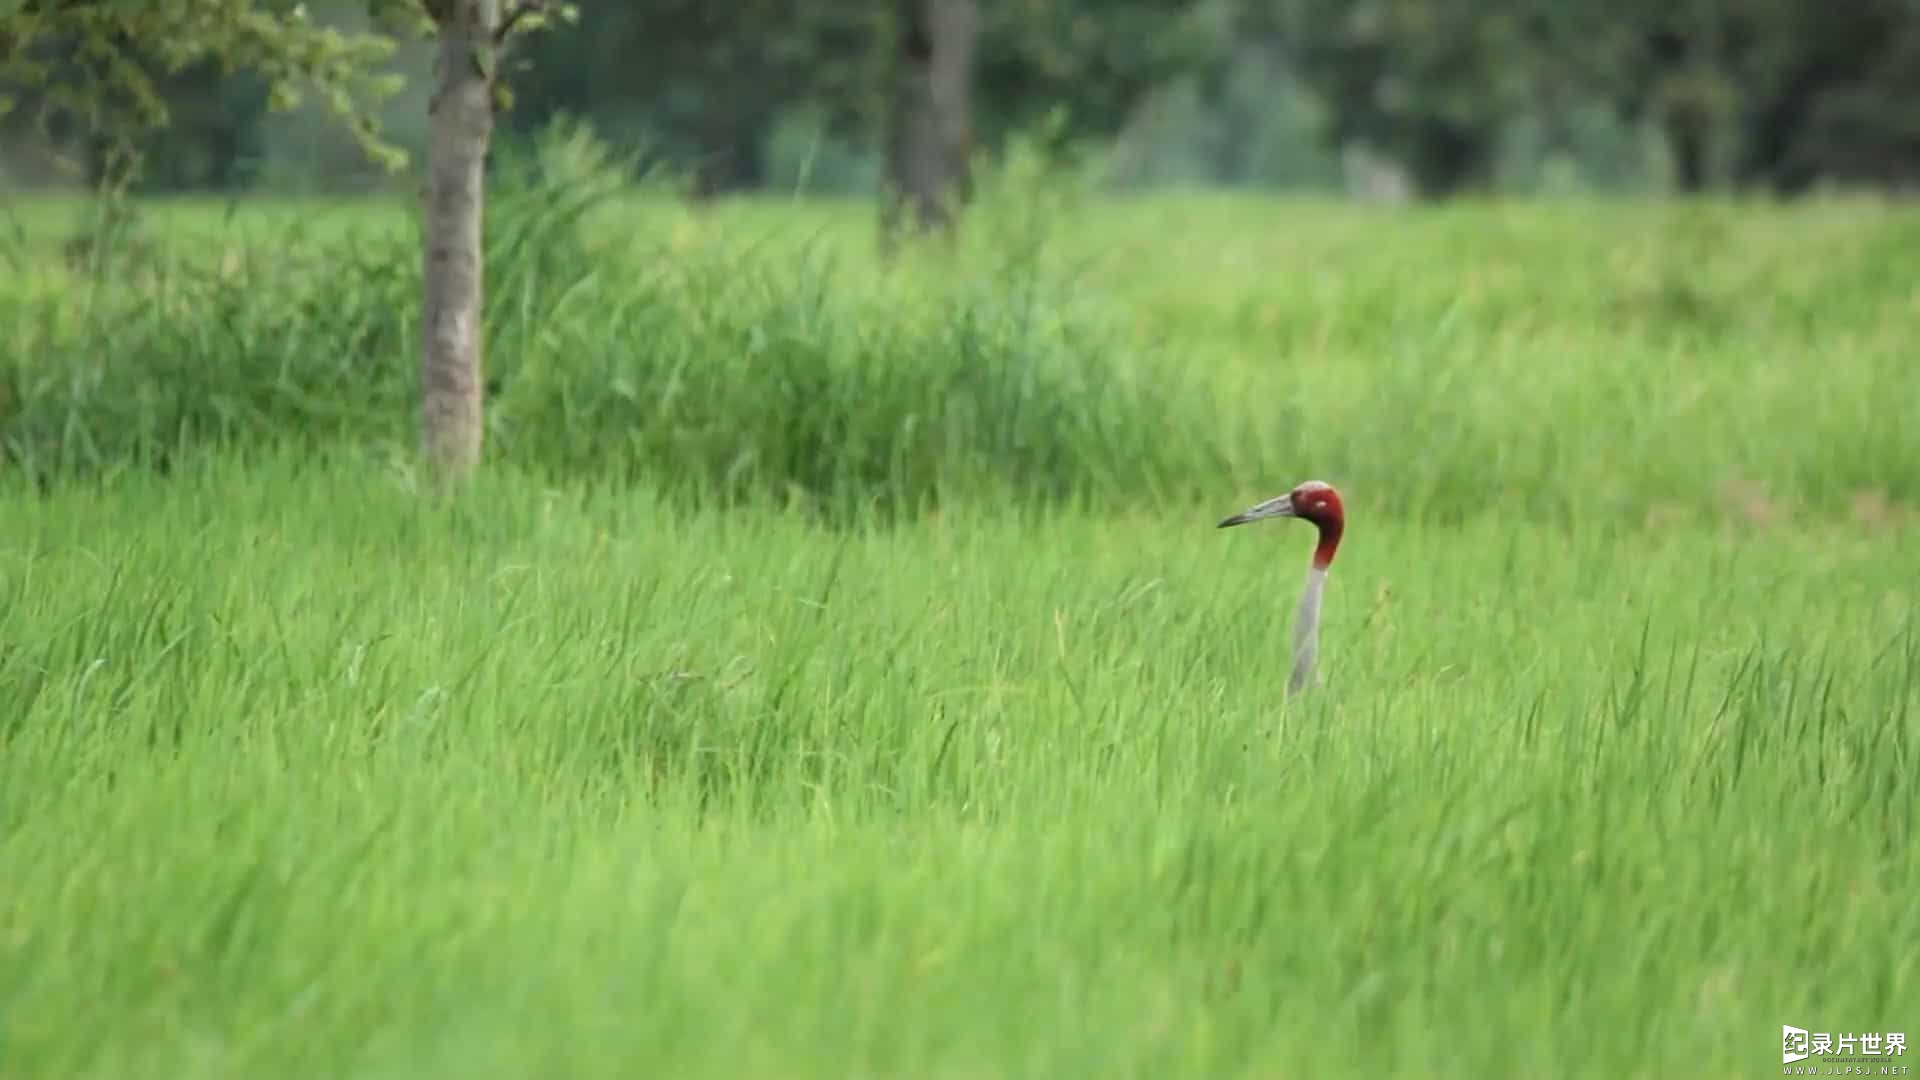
1776, 151
1687, 139
460, 127
732, 153
1448, 159
931, 127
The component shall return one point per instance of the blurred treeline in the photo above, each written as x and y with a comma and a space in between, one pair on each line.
1386, 98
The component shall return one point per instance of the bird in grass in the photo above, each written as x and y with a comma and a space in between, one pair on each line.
1317, 503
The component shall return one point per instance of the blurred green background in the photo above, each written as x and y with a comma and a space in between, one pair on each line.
1381, 97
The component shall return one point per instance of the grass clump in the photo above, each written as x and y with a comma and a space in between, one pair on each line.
1703, 362
717, 371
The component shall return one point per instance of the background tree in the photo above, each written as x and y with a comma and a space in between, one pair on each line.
95, 63
1428, 83
702, 86
472, 37
1093, 63
930, 125
112, 74
1782, 95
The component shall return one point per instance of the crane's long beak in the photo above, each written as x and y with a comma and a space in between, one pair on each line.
1272, 508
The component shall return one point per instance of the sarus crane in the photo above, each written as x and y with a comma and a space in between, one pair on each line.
1317, 503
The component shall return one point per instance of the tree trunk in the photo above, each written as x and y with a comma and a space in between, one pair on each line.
1776, 150
732, 153
1687, 138
931, 126
460, 126
1447, 159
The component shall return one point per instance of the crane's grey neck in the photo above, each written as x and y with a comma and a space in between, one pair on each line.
1306, 631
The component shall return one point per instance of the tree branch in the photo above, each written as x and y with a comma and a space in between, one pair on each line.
520, 10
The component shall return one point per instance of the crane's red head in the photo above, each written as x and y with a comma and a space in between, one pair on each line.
1314, 502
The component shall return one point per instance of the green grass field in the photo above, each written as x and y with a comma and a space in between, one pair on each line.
836, 672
